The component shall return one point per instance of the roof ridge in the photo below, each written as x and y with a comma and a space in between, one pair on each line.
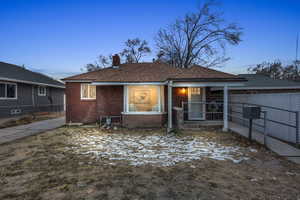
90, 72
30, 71
151, 71
214, 70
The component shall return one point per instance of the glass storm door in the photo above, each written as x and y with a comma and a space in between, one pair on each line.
196, 108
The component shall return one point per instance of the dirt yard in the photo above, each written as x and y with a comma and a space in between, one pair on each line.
87, 163
27, 119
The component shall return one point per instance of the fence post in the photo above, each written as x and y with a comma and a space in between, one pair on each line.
265, 128
243, 120
297, 127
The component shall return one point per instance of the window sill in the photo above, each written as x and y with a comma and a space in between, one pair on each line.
143, 113
87, 99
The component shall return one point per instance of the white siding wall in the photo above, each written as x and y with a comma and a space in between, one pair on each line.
290, 101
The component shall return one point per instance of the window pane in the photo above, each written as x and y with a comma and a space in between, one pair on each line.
42, 91
92, 91
143, 99
11, 91
2, 90
84, 90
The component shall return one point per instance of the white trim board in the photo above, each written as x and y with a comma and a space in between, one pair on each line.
126, 83
259, 88
143, 113
175, 84
266, 88
206, 84
30, 82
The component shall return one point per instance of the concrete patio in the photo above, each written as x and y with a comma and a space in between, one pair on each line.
277, 146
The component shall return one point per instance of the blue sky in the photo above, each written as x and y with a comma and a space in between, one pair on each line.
60, 37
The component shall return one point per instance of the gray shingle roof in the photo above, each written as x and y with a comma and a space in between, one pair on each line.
14, 72
262, 81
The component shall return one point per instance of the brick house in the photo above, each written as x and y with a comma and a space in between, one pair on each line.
146, 94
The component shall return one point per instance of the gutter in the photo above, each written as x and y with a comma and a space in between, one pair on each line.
129, 83
31, 82
264, 88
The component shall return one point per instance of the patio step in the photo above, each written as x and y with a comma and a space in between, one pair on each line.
200, 124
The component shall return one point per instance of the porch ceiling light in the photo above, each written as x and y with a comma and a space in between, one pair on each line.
182, 91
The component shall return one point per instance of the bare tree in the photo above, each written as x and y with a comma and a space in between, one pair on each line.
277, 70
101, 62
197, 38
272, 70
134, 50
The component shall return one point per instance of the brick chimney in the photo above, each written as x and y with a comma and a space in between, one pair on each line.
116, 60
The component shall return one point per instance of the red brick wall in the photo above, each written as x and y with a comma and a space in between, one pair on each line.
179, 96
110, 100
77, 110
144, 121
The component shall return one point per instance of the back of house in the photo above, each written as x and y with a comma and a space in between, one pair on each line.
23, 91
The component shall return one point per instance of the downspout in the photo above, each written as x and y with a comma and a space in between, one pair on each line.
225, 108
32, 95
170, 122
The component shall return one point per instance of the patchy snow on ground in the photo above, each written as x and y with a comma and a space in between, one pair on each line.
153, 149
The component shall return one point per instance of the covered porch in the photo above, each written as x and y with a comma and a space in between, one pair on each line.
192, 105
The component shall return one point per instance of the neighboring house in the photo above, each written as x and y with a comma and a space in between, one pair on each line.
282, 94
23, 91
144, 94
258, 83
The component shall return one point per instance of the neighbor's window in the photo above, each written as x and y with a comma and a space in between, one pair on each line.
8, 91
88, 91
144, 99
42, 91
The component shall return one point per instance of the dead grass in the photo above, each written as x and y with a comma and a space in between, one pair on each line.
46, 167
27, 119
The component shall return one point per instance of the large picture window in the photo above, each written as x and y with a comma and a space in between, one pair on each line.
144, 99
88, 91
8, 91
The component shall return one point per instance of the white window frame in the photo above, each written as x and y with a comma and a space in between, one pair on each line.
161, 94
39, 92
81, 93
16, 92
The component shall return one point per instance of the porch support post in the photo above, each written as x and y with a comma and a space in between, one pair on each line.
170, 123
225, 108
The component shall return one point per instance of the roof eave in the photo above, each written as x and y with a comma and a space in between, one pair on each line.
30, 82
265, 88
209, 79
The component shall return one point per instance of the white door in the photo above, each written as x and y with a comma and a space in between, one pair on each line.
196, 108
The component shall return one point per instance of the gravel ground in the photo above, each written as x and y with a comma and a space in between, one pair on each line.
88, 163
154, 149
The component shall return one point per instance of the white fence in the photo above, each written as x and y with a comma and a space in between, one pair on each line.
288, 101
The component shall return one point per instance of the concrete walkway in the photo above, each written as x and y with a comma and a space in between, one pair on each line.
17, 132
281, 148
